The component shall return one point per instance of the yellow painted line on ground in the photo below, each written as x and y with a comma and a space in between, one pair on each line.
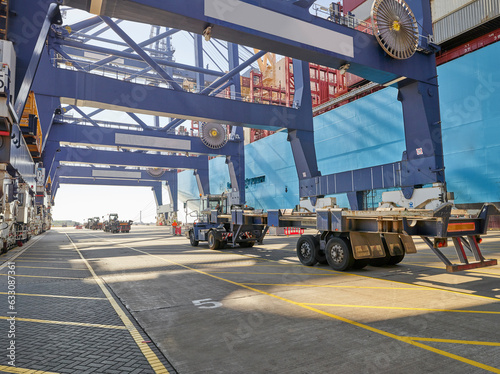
113, 327
24, 257
374, 278
402, 308
471, 271
332, 286
16, 370
48, 259
48, 267
64, 262
403, 339
276, 265
38, 276
58, 296
153, 360
243, 272
48, 254
452, 341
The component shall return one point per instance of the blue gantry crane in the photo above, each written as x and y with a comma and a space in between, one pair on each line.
397, 50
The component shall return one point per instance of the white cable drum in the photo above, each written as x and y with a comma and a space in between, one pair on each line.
214, 135
395, 28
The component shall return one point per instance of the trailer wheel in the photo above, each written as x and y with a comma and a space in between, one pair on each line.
394, 260
307, 250
360, 264
192, 240
339, 254
320, 255
247, 244
381, 261
213, 243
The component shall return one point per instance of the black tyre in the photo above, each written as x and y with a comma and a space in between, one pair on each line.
394, 260
360, 264
307, 250
4, 247
320, 255
247, 244
192, 240
213, 242
381, 261
339, 254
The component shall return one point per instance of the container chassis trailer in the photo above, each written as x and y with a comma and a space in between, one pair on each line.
354, 239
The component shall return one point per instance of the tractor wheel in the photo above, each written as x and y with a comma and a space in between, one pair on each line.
192, 240
213, 242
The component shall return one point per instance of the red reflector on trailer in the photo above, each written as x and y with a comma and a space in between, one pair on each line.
4, 133
463, 226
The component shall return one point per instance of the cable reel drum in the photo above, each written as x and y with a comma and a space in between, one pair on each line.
214, 135
395, 27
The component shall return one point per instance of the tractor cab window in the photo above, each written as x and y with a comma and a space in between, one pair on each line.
215, 203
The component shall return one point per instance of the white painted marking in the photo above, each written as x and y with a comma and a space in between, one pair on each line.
207, 304
117, 174
152, 141
267, 21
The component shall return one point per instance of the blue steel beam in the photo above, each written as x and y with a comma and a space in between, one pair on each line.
137, 49
82, 113
106, 182
66, 119
118, 43
141, 45
198, 58
65, 43
120, 176
100, 31
303, 3
155, 186
129, 65
236, 164
139, 121
100, 92
259, 24
28, 59
85, 24
202, 181
236, 70
46, 106
75, 64
214, 85
150, 140
98, 157
114, 173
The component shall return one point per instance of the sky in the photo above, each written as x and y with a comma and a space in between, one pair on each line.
78, 202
